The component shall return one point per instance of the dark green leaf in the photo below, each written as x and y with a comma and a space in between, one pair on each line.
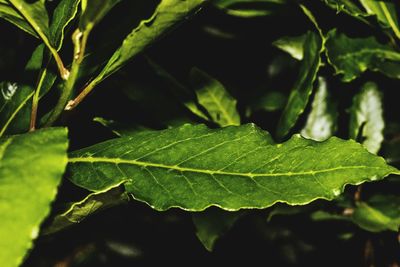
193, 167
31, 167
352, 56
303, 87
321, 122
93, 11
212, 95
211, 224
10, 14
366, 117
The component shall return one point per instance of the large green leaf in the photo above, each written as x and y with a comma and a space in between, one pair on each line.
366, 117
303, 87
9, 13
385, 11
212, 95
64, 13
165, 17
352, 56
193, 167
321, 122
31, 167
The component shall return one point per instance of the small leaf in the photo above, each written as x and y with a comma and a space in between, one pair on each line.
321, 122
31, 168
366, 117
94, 202
292, 45
303, 87
385, 11
352, 56
166, 16
211, 224
16, 99
193, 167
212, 95
64, 13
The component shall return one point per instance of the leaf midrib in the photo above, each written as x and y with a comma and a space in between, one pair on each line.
209, 172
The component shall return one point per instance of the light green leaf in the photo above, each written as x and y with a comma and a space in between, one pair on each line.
321, 122
9, 13
348, 7
366, 117
385, 11
250, 8
292, 45
352, 56
212, 224
193, 167
31, 168
64, 13
94, 202
303, 87
16, 99
93, 12
212, 95
166, 16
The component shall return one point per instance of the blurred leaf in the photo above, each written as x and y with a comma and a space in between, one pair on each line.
250, 8
271, 101
193, 167
352, 56
303, 87
212, 95
212, 223
321, 122
292, 45
31, 168
366, 117
94, 202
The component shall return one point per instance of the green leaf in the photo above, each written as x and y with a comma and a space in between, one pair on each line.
9, 13
31, 168
385, 11
16, 99
212, 224
193, 167
93, 203
212, 95
93, 12
348, 7
294, 46
166, 16
321, 122
379, 213
250, 8
64, 13
352, 56
366, 117
303, 87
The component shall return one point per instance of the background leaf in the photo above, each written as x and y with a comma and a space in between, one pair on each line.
31, 169
366, 117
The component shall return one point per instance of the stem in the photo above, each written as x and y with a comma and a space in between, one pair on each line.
73, 103
35, 100
73, 75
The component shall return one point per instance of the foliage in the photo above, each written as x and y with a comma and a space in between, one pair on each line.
216, 121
